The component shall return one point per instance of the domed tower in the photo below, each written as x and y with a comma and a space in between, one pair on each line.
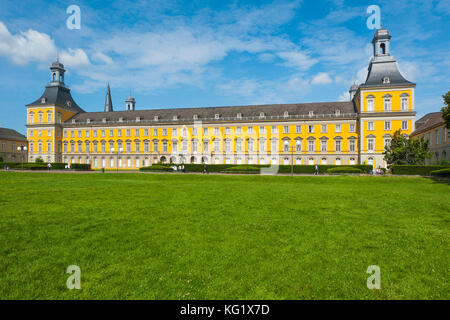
130, 103
353, 90
57, 69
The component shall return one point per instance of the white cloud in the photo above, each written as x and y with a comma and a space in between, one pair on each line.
322, 78
26, 47
297, 59
102, 58
74, 58
344, 96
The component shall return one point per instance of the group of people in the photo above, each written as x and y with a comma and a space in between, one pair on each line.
179, 168
6, 167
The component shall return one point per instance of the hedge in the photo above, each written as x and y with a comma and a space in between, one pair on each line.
26, 165
156, 167
422, 170
344, 170
441, 173
242, 169
281, 168
80, 166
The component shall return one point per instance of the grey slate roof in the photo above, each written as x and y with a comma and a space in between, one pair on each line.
11, 134
57, 95
428, 121
208, 113
378, 69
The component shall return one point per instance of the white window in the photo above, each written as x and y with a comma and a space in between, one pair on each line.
323, 145
404, 103
102, 132
338, 146
216, 146
238, 145
227, 146
338, 161
155, 132
370, 105
352, 127
155, 146
338, 128
194, 131
216, 130
370, 126
205, 146
184, 146
262, 145
262, 130
128, 146
311, 145
31, 121
137, 146
298, 129
274, 129
227, 130
404, 125
250, 145
205, 131
250, 130
165, 146
387, 142
323, 128
352, 161
128, 132
119, 132
370, 144
352, 145
164, 132
136, 132
311, 128
323, 161
194, 146
285, 129
298, 146
274, 146
387, 125
286, 146
146, 132
387, 104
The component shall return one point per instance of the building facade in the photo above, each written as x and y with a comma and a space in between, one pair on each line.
10, 141
433, 129
353, 132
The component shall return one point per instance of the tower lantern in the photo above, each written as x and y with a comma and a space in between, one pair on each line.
380, 43
57, 76
130, 103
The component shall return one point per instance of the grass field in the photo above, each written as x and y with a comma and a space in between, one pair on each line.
174, 236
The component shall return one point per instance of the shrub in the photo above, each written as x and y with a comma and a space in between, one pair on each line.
80, 166
58, 166
344, 169
39, 160
424, 170
441, 172
157, 167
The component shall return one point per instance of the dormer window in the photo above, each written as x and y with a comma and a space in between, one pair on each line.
138, 119
386, 80
120, 119
88, 120
175, 117
73, 121
337, 112
43, 100
286, 114
156, 118
69, 103
262, 115
217, 116
104, 120
195, 117
239, 115
311, 113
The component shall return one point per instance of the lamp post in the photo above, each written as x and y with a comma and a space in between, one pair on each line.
22, 149
119, 150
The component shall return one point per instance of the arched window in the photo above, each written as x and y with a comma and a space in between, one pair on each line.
31, 121
383, 48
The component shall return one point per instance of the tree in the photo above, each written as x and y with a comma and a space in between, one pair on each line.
403, 150
39, 160
446, 110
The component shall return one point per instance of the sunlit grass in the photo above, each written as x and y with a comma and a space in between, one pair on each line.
175, 236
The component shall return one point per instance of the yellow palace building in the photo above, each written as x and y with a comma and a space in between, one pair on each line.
353, 132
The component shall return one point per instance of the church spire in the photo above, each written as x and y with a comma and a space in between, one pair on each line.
108, 102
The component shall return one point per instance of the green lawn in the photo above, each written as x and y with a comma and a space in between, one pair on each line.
175, 236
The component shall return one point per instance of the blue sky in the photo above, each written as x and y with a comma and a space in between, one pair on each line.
214, 53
